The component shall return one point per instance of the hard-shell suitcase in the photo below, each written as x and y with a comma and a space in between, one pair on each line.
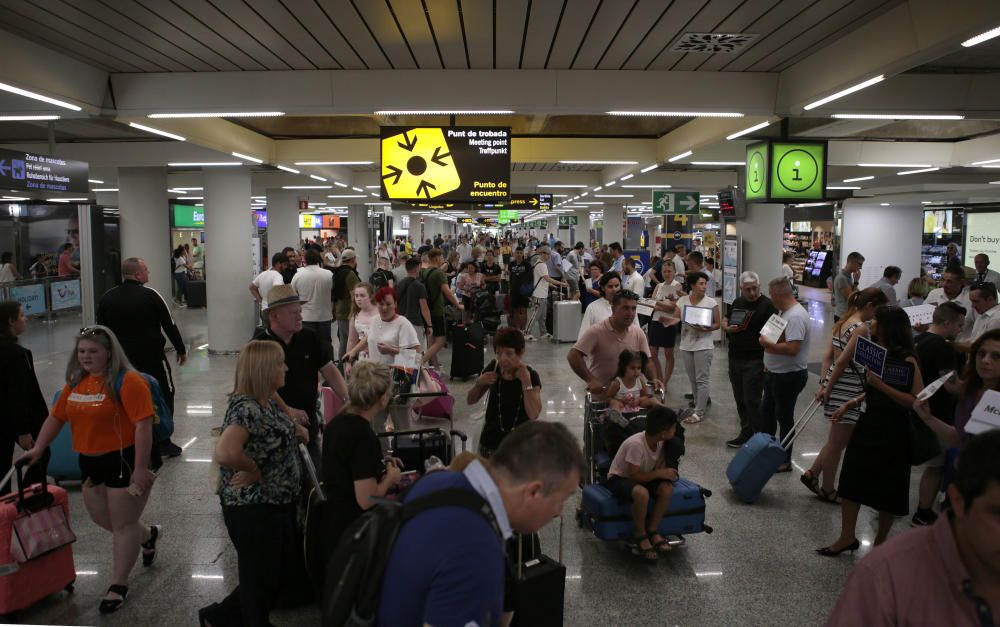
760, 456
197, 296
567, 319
539, 588
611, 519
23, 584
467, 352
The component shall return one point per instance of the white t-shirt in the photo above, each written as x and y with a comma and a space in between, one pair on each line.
396, 332
787, 271
987, 321
265, 281
315, 285
597, 312
937, 296
635, 451
7, 273
693, 339
635, 284
180, 265
662, 291
538, 273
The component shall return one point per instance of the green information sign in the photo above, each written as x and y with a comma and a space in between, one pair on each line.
798, 171
189, 217
757, 171
507, 215
676, 202
567, 220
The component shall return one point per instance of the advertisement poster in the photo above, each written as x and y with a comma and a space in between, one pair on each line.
641, 258
31, 297
453, 163
65, 294
982, 236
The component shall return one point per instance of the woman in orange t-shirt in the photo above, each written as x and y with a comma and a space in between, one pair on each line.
112, 427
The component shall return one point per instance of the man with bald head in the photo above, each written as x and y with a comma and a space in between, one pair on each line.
140, 318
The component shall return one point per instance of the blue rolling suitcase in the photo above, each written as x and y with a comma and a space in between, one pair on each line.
611, 519
759, 458
64, 464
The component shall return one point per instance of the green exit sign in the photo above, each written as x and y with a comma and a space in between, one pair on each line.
567, 220
786, 171
676, 202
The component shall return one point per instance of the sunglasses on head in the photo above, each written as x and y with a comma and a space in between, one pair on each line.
92, 331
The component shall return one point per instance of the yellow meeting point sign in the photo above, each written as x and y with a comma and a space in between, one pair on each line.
417, 164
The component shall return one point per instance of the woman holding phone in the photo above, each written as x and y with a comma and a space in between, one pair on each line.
697, 345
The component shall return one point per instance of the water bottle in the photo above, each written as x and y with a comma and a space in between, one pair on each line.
433, 463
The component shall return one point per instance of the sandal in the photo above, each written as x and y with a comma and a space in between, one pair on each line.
810, 481
647, 555
108, 606
663, 546
149, 546
829, 497
692, 419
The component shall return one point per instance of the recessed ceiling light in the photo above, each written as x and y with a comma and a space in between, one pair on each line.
859, 178
747, 131
917, 171
677, 114
584, 162
730, 163
37, 96
613, 196
445, 112
985, 162
187, 197
884, 204
894, 165
978, 39
203, 164
562, 186
626, 177
649, 168
238, 114
104, 189
98, 181
843, 187
334, 162
339, 184
348, 196
288, 169
27, 118
239, 155
317, 177
994, 182
845, 92
150, 129
306, 187
894, 116
66, 199
686, 153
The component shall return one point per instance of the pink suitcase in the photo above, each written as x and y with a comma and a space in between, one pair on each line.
24, 584
332, 404
438, 407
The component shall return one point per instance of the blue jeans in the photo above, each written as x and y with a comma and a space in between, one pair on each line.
182, 285
777, 407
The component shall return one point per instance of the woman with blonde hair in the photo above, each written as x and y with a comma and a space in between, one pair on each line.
364, 313
354, 469
110, 409
259, 488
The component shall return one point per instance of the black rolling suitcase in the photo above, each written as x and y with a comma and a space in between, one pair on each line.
539, 587
467, 351
196, 296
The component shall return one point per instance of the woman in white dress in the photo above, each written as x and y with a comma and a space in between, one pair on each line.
363, 314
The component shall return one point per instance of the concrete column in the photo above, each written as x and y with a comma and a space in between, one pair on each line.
415, 228
357, 238
282, 220
614, 225
228, 266
886, 236
761, 232
145, 223
581, 232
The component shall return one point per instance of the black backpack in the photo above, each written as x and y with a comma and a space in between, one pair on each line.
353, 582
340, 282
380, 278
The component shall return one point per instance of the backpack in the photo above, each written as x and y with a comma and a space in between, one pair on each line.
340, 282
379, 279
424, 275
353, 583
163, 418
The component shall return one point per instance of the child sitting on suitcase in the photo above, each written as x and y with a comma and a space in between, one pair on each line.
629, 390
640, 473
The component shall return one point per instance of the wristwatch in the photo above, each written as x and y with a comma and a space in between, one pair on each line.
528, 388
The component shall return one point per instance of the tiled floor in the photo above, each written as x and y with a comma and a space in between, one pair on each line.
757, 568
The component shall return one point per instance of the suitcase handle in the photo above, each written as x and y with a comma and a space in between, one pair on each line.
800, 424
31, 503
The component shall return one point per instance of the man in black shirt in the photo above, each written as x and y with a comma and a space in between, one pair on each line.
288, 273
520, 272
937, 358
411, 294
305, 358
491, 272
139, 318
746, 356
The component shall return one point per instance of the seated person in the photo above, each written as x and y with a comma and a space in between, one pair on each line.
629, 391
641, 471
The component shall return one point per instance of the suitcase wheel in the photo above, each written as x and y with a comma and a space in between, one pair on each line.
69, 587
706, 528
706, 492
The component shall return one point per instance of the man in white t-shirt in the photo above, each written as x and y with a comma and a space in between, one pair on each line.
953, 290
314, 284
633, 280
984, 302
272, 277
540, 295
643, 470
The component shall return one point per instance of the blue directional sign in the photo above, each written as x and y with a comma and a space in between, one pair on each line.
22, 171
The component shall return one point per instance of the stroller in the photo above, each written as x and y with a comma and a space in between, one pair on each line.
485, 311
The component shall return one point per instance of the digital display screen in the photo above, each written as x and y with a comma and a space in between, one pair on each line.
189, 217
938, 221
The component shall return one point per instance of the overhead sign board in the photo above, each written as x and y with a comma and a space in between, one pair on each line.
24, 171
453, 163
568, 220
189, 217
786, 171
507, 215
676, 202
530, 202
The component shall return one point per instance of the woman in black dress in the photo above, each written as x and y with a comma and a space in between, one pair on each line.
876, 468
23, 406
514, 389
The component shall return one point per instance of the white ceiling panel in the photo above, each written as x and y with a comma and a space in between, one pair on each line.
663, 35
347, 21
707, 20
542, 27
447, 25
640, 23
764, 24
478, 19
291, 33
510, 21
610, 18
576, 22
379, 20
254, 31
320, 26
416, 29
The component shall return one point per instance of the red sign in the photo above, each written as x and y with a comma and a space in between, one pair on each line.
303, 205
331, 222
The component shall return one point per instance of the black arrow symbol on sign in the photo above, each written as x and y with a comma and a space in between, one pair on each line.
439, 158
426, 188
410, 144
395, 172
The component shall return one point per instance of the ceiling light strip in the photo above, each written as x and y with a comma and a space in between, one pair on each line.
747, 131
845, 92
230, 114
203, 164
895, 165
978, 39
27, 118
240, 155
895, 116
36, 96
920, 171
156, 131
686, 153
859, 178
678, 114
334, 162
601, 162
445, 112
287, 169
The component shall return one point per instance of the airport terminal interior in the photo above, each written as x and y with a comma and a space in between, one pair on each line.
737, 129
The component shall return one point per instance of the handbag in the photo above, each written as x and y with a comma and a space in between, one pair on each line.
924, 443
41, 525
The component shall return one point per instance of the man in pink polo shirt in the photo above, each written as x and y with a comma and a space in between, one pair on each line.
594, 357
947, 573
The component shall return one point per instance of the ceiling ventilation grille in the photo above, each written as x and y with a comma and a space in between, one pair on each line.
713, 43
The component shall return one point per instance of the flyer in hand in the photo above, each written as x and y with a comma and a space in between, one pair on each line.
870, 355
774, 327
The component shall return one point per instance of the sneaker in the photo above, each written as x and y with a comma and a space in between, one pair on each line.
692, 418
169, 449
547, 336
689, 396
736, 443
529, 338
691, 404
922, 518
